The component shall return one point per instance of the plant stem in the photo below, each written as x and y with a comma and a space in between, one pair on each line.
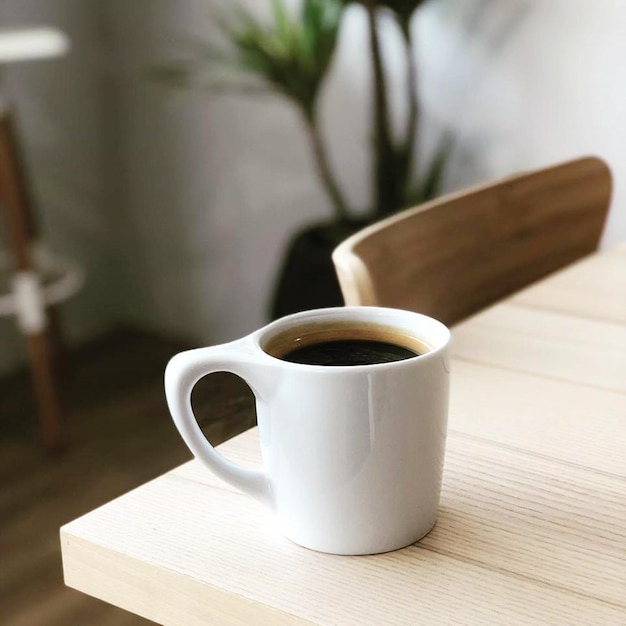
385, 183
324, 171
408, 148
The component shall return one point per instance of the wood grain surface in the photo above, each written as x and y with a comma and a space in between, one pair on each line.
532, 524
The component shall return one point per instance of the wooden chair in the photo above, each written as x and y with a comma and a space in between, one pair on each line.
457, 254
35, 281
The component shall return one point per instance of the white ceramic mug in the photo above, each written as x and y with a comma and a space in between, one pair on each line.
352, 455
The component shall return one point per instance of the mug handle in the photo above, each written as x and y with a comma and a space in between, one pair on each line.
181, 374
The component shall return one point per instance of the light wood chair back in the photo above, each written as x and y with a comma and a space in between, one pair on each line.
459, 253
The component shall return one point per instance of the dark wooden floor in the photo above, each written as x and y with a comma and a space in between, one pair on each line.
120, 435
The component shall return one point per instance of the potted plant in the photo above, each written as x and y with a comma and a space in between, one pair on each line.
290, 55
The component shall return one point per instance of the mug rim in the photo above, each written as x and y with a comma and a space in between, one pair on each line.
373, 314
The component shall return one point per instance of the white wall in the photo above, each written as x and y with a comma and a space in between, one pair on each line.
549, 91
181, 204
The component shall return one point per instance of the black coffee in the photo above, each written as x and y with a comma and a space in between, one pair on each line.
344, 342
348, 352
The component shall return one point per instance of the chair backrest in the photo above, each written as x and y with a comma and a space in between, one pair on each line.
459, 253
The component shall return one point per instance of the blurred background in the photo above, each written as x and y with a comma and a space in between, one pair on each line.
179, 203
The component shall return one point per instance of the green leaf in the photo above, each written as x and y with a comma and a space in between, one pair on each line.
280, 18
291, 52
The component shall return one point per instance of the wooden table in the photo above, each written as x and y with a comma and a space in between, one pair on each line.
532, 528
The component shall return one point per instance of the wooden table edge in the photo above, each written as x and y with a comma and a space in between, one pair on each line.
81, 558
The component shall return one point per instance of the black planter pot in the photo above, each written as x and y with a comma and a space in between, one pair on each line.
307, 278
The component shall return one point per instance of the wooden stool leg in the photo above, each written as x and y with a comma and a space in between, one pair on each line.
31, 312
41, 364
57, 344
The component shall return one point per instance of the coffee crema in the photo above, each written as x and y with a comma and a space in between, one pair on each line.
344, 344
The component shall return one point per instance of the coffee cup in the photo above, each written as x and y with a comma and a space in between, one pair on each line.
351, 408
